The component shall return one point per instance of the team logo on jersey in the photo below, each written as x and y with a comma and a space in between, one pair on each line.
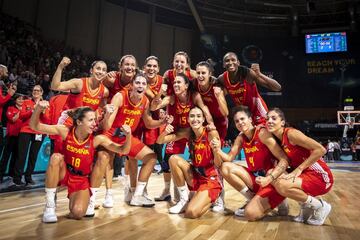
91, 101
73, 149
251, 150
132, 111
199, 146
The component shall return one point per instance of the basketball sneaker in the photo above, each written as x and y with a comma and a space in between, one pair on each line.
90, 211
219, 205
127, 194
108, 202
141, 201
241, 211
283, 208
179, 207
165, 196
319, 216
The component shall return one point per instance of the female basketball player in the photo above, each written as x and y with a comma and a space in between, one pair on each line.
73, 168
200, 175
261, 151
309, 176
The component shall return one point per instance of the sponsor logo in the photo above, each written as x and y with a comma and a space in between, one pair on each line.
251, 150
132, 112
91, 101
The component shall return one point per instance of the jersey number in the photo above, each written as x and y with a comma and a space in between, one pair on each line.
129, 121
251, 160
183, 120
75, 162
198, 159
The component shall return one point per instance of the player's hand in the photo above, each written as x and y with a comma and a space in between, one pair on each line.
169, 129
293, 175
256, 68
12, 89
64, 62
109, 108
168, 119
111, 75
164, 88
43, 105
126, 129
215, 143
217, 91
263, 181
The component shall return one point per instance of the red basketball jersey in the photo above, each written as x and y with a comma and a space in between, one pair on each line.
244, 93
180, 112
258, 156
117, 87
129, 113
85, 98
80, 155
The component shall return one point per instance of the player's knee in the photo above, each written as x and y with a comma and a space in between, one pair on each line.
56, 159
77, 211
225, 169
252, 214
281, 186
173, 160
150, 159
192, 213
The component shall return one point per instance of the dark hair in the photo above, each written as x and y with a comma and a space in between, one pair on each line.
208, 64
184, 54
79, 114
187, 81
95, 62
139, 73
241, 108
152, 58
192, 136
229, 53
127, 56
281, 115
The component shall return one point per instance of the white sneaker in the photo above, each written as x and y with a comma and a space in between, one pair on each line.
90, 212
179, 207
165, 196
304, 214
49, 215
127, 194
108, 202
241, 211
219, 205
141, 201
319, 216
283, 208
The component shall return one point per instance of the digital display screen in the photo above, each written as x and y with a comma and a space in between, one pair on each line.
326, 42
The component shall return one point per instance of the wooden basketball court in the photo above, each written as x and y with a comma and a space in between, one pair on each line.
21, 212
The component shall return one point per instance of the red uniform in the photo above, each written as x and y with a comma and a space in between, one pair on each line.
150, 135
209, 99
180, 112
13, 127
117, 87
83, 99
244, 93
316, 179
205, 175
3, 100
56, 106
26, 112
129, 114
171, 79
79, 158
259, 160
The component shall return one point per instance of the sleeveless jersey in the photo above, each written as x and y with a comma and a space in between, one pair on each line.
298, 155
85, 98
244, 93
117, 87
129, 113
180, 112
258, 156
79, 156
171, 79
210, 100
201, 154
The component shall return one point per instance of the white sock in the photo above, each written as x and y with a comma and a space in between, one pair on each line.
247, 193
314, 203
126, 180
109, 191
93, 193
183, 192
139, 190
167, 186
50, 197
